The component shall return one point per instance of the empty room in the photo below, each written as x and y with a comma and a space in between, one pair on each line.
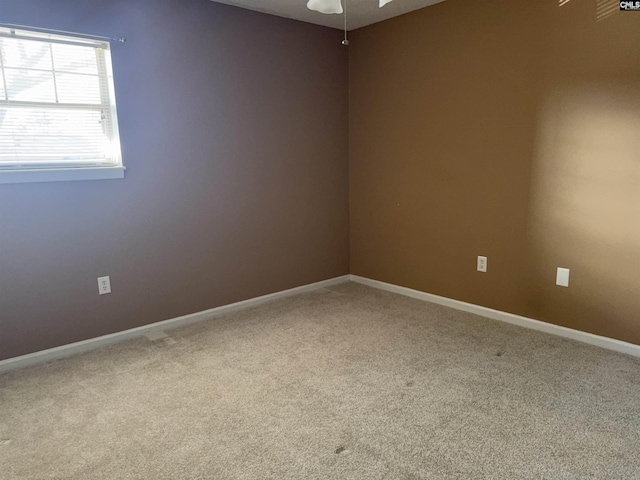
319, 239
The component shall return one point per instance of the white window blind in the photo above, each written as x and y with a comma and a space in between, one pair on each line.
57, 105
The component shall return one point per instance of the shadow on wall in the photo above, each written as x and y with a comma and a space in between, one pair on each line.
604, 8
586, 202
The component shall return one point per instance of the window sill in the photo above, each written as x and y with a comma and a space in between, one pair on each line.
61, 174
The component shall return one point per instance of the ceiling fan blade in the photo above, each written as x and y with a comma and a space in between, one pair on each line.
325, 6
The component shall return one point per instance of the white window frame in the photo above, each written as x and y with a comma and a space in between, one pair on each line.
86, 170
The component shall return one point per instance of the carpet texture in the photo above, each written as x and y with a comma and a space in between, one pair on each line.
341, 383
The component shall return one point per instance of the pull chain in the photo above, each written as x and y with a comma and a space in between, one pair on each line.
346, 40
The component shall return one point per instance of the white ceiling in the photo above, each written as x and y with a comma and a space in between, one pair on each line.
359, 12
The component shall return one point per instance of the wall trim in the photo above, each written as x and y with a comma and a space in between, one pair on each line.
584, 337
56, 353
93, 343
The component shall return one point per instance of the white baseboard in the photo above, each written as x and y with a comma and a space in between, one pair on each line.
584, 337
93, 343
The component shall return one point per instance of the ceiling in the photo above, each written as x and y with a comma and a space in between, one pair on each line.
359, 12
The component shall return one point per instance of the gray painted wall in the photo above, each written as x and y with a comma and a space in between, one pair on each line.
234, 132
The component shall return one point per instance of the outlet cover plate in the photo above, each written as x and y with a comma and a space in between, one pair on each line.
104, 285
482, 264
562, 277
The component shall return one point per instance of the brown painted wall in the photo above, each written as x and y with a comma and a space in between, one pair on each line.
509, 129
233, 130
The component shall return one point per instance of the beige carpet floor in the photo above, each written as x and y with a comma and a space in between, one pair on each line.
341, 383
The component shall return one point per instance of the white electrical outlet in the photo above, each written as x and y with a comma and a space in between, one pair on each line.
562, 277
482, 264
104, 285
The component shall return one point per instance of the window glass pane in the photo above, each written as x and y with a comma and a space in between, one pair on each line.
53, 113
40, 135
25, 54
30, 85
74, 59
74, 88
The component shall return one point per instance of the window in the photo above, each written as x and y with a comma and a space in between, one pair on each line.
57, 109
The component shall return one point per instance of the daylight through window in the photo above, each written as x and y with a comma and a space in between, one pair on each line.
57, 107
